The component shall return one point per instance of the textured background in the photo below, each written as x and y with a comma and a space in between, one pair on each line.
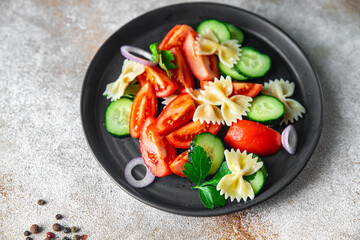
45, 49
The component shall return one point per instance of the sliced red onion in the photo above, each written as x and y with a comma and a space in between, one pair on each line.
289, 139
126, 51
149, 177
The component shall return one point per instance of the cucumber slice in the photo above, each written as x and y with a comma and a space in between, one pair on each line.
257, 180
117, 116
131, 90
267, 110
235, 32
219, 28
232, 72
253, 63
214, 148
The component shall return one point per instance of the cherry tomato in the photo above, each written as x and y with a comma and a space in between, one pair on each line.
164, 86
155, 149
144, 106
177, 166
239, 88
175, 37
181, 74
176, 114
182, 137
204, 67
253, 137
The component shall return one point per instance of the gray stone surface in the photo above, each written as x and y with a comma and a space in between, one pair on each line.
45, 49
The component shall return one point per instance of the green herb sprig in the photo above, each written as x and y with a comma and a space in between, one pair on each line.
196, 169
164, 57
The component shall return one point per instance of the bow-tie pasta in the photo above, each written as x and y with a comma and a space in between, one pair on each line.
216, 94
229, 51
130, 70
282, 90
240, 164
168, 99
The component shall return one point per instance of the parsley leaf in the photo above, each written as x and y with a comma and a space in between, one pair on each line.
199, 167
155, 52
196, 169
164, 58
211, 197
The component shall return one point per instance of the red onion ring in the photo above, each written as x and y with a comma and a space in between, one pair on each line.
149, 177
289, 139
126, 52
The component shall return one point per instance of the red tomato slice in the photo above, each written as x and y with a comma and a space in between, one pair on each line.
182, 137
253, 137
247, 89
177, 166
177, 113
164, 86
175, 37
239, 88
155, 149
181, 74
204, 68
144, 106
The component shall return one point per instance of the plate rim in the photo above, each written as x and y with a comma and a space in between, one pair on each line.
215, 211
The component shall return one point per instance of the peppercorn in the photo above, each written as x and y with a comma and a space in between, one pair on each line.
50, 235
41, 202
76, 237
48, 239
27, 233
56, 227
67, 230
58, 216
66, 238
74, 229
34, 229
28, 238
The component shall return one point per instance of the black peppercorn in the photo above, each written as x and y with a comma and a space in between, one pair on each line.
28, 238
56, 227
66, 238
34, 229
74, 229
41, 202
76, 237
67, 230
27, 233
58, 216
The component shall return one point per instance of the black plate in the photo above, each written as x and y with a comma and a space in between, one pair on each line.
173, 193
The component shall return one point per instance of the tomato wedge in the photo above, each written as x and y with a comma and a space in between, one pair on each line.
144, 106
239, 88
204, 67
177, 166
181, 74
253, 137
177, 113
155, 149
175, 37
182, 137
247, 89
164, 86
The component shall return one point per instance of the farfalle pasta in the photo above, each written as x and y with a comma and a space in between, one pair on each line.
130, 70
282, 90
216, 94
229, 51
168, 99
234, 185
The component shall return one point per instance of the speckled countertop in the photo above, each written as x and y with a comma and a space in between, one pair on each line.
45, 49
